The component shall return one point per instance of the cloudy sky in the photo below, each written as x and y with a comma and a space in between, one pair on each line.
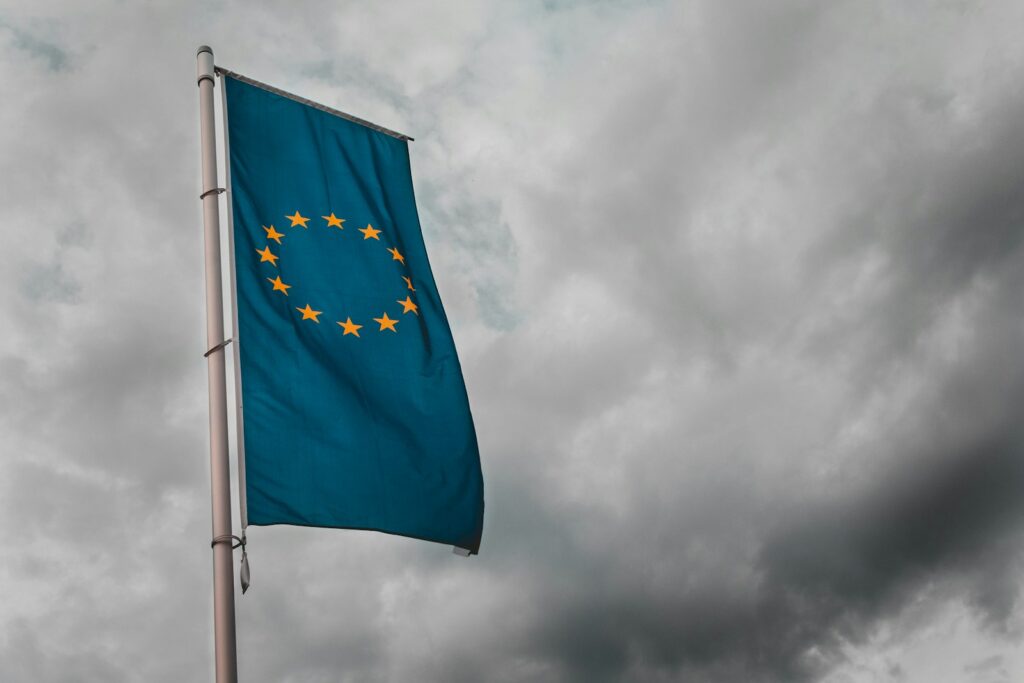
737, 289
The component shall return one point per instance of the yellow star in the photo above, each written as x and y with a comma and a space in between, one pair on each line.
409, 306
350, 327
273, 234
278, 285
369, 231
408, 283
298, 219
395, 256
308, 313
386, 323
267, 255
334, 222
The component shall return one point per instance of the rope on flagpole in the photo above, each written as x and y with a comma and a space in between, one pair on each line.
236, 542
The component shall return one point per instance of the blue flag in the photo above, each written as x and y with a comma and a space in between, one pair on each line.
355, 410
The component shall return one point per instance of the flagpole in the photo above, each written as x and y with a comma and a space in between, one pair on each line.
225, 663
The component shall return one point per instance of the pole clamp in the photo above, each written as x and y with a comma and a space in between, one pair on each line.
229, 538
216, 348
216, 190
244, 575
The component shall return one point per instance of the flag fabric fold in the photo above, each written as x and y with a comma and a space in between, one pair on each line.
355, 409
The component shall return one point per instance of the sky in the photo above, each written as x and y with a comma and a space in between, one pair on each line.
737, 293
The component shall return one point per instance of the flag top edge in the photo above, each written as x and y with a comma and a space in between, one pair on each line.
221, 71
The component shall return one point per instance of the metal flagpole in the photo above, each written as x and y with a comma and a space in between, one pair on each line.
225, 664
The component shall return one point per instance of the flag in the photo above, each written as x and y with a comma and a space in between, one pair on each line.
354, 409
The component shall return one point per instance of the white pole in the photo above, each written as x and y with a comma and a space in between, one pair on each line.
225, 662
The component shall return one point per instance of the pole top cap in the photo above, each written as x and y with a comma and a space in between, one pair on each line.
204, 65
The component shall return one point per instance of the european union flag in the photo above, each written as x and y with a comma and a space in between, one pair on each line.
355, 411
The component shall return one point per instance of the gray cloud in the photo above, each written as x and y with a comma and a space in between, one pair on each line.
736, 293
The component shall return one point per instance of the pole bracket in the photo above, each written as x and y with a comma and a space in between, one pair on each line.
228, 538
216, 348
216, 190
244, 575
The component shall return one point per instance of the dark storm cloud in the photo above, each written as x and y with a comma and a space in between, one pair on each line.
736, 293
820, 579
847, 562
944, 499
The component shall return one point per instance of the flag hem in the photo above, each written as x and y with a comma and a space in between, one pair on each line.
220, 71
472, 550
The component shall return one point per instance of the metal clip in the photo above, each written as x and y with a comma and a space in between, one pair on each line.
218, 347
228, 538
216, 190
